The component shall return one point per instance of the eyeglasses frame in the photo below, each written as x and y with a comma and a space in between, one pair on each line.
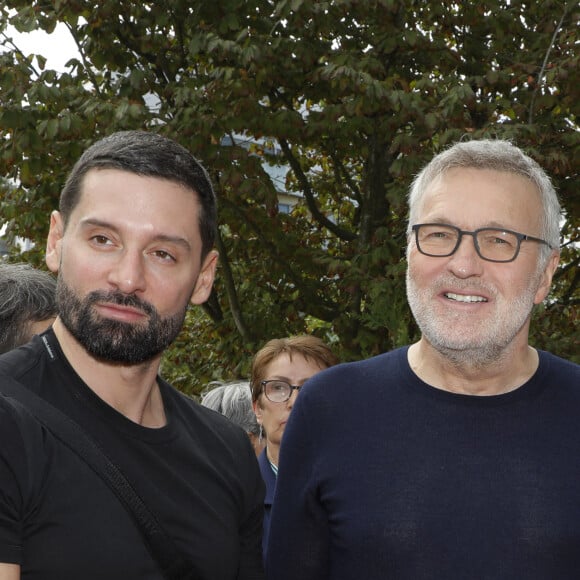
292, 388
520, 237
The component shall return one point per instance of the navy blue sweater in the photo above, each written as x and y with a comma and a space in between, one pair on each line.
385, 477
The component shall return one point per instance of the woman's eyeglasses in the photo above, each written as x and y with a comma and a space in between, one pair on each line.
278, 391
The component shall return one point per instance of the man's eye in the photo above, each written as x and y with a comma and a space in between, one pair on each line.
165, 256
504, 239
437, 235
100, 240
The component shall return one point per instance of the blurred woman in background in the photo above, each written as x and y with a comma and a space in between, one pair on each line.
279, 370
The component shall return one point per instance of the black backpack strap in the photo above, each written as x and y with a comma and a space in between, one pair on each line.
161, 547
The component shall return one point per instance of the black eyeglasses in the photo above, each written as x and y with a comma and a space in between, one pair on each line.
491, 244
278, 391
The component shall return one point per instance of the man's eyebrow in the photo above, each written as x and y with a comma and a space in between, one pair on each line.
174, 240
178, 240
493, 224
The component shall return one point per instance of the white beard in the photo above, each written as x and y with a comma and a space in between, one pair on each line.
465, 341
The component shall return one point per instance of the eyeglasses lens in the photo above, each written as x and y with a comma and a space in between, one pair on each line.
277, 391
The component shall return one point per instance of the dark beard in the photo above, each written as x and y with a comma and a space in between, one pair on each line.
114, 340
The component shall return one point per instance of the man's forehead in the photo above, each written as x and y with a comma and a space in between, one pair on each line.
495, 196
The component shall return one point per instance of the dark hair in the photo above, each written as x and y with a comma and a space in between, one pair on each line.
310, 347
146, 154
27, 295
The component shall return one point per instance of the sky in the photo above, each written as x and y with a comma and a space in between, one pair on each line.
57, 47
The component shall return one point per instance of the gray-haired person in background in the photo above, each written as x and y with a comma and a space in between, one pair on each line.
234, 400
27, 303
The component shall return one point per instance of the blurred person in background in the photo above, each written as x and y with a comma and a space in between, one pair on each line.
27, 303
279, 370
234, 400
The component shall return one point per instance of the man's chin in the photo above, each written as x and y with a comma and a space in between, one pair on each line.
121, 357
467, 353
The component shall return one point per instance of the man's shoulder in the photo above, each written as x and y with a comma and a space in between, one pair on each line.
14, 416
212, 438
25, 441
370, 382
195, 415
18, 362
378, 367
556, 370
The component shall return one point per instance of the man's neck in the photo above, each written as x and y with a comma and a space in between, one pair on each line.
132, 390
508, 372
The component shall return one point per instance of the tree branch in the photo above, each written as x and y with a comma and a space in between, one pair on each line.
319, 305
309, 196
231, 292
10, 43
544, 65
86, 65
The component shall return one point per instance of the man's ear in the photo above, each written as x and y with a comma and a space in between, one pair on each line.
54, 241
205, 279
546, 279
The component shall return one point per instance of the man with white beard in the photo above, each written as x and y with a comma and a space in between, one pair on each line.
457, 456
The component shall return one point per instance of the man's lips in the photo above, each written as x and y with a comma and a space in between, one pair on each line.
120, 312
465, 298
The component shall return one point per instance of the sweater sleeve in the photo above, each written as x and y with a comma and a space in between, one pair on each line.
299, 533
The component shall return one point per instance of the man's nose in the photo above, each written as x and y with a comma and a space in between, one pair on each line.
466, 261
128, 272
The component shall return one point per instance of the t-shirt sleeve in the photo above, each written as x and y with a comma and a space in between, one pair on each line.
22, 454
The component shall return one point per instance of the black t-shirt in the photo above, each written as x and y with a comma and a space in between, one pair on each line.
58, 520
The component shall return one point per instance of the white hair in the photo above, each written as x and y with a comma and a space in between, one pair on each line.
234, 400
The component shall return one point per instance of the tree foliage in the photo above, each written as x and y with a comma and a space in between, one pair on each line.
352, 98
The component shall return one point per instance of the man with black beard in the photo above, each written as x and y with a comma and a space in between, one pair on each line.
132, 245
457, 457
